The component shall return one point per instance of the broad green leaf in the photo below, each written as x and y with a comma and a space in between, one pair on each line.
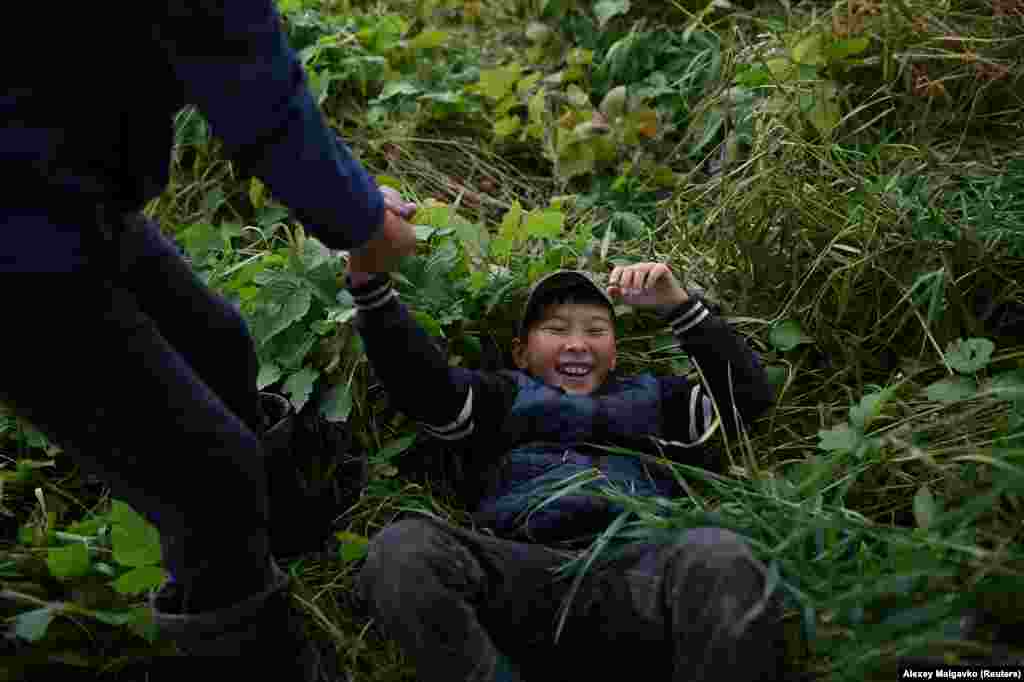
606, 9
544, 224
353, 546
614, 103
398, 88
477, 281
926, 508
88, 526
777, 375
538, 33
429, 39
840, 438
269, 374
142, 623
287, 300
629, 225
512, 224
32, 625
424, 232
754, 77
969, 356
537, 107
434, 214
200, 240
139, 580
474, 239
841, 49
1009, 385
713, 122
577, 97
341, 315
587, 131
507, 126
290, 347
395, 447
825, 112
337, 404
787, 335
256, 193
641, 122
136, 541
428, 323
869, 408
527, 83
299, 386
214, 200
116, 618
810, 50
952, 389
781, 69
576, 159
579, 57
71, 561
496, 83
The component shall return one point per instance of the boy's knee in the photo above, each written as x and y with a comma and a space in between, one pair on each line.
398, 551
400, 540
417, 555
718, 557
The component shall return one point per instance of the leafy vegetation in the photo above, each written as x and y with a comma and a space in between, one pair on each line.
844, 177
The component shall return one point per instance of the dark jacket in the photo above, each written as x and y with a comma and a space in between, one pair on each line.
520, 435
86, 117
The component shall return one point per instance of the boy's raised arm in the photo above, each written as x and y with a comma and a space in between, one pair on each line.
737, 380
450, 403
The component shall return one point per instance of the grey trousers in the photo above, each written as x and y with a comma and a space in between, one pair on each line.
692, 609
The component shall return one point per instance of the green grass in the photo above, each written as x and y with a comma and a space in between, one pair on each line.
881, 227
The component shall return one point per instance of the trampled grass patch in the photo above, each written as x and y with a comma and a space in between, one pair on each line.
843, 178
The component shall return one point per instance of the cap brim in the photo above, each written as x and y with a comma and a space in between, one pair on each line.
562, 279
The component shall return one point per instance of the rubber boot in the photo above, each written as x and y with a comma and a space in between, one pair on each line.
303, 504
264, 631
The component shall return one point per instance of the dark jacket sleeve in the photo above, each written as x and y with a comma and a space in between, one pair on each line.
234, 63
734, 380
454, 404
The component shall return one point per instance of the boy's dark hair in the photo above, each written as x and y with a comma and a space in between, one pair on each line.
578, 295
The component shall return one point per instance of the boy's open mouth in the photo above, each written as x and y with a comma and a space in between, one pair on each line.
574, 370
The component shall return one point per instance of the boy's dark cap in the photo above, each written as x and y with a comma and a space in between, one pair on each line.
556, 281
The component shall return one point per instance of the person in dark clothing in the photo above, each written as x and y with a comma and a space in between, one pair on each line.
114, 347
481, 607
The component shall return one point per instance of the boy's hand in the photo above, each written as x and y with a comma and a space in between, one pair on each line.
646, 285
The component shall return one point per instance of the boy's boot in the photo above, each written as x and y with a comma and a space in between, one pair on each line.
312, 476
264, 630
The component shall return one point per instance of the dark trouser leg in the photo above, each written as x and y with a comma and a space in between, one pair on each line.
440, 592
453, 598
91, 363
221, 351
702, 596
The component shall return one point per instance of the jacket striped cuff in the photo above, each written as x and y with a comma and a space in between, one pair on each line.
687, 316
458, 429
375, 293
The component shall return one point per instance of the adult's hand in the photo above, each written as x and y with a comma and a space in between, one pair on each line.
394, 241
394, 203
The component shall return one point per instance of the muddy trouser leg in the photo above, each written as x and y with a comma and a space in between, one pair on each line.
148, 379
453, 599
703, 594
445, 593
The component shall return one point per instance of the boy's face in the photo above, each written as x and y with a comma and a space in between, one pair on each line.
569, 337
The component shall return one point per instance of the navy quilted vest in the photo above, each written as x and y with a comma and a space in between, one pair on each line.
546, 435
